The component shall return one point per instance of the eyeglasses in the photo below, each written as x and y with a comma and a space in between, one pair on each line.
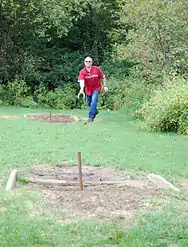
87, 61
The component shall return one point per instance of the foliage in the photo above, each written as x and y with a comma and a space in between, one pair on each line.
56, 67
137, 44
129, 87
25, 23
14, 92
167, 110
118, 68
46, 41
19, 94
154, 33
60, 98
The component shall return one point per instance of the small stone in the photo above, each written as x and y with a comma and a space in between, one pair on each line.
12, 180
2, 210
160, 182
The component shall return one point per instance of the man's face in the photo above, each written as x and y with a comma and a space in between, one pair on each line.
88, 62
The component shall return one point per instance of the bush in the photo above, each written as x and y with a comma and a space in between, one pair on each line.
28, 102
128, 93
13, 93
129, 85
167, 110
60, 98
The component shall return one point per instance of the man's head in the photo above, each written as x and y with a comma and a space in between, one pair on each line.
88, 62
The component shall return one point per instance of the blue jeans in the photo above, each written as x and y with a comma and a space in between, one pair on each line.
92, 103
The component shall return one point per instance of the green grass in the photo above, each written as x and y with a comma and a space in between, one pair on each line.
164, 229
116, 141
26, 220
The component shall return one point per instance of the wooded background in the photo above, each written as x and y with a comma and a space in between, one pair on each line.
138, 44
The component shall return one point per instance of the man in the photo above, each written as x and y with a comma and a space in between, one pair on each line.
91, 77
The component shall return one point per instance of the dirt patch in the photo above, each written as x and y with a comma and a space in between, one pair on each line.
53, 118
121, 200
7, 117
184, 185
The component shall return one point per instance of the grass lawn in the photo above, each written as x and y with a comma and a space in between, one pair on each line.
117, 140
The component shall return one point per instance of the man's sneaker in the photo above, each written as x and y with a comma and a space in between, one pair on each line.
89, 121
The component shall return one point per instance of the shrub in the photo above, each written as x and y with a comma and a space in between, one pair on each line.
128, 93
129, 85
167, 110
13, 92
28, 102
60, 98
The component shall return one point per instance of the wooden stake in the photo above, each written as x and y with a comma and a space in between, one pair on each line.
80, 171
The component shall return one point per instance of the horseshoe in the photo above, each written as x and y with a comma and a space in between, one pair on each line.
82, 94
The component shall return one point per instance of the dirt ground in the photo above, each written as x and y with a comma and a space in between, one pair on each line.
58, 118
52, 118
7, 117
122, 200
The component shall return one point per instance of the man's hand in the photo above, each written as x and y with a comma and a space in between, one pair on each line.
106, 89
104, 84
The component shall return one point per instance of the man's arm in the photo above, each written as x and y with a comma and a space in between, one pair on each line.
81, 85
104, 84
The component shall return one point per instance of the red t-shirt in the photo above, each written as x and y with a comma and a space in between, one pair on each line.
92, 79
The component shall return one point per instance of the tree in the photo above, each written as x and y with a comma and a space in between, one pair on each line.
157, 34
45, 41
25, 22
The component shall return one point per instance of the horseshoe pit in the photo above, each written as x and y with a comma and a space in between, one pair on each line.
108, 193
53, 118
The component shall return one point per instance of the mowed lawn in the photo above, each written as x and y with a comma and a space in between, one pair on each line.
115, 140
